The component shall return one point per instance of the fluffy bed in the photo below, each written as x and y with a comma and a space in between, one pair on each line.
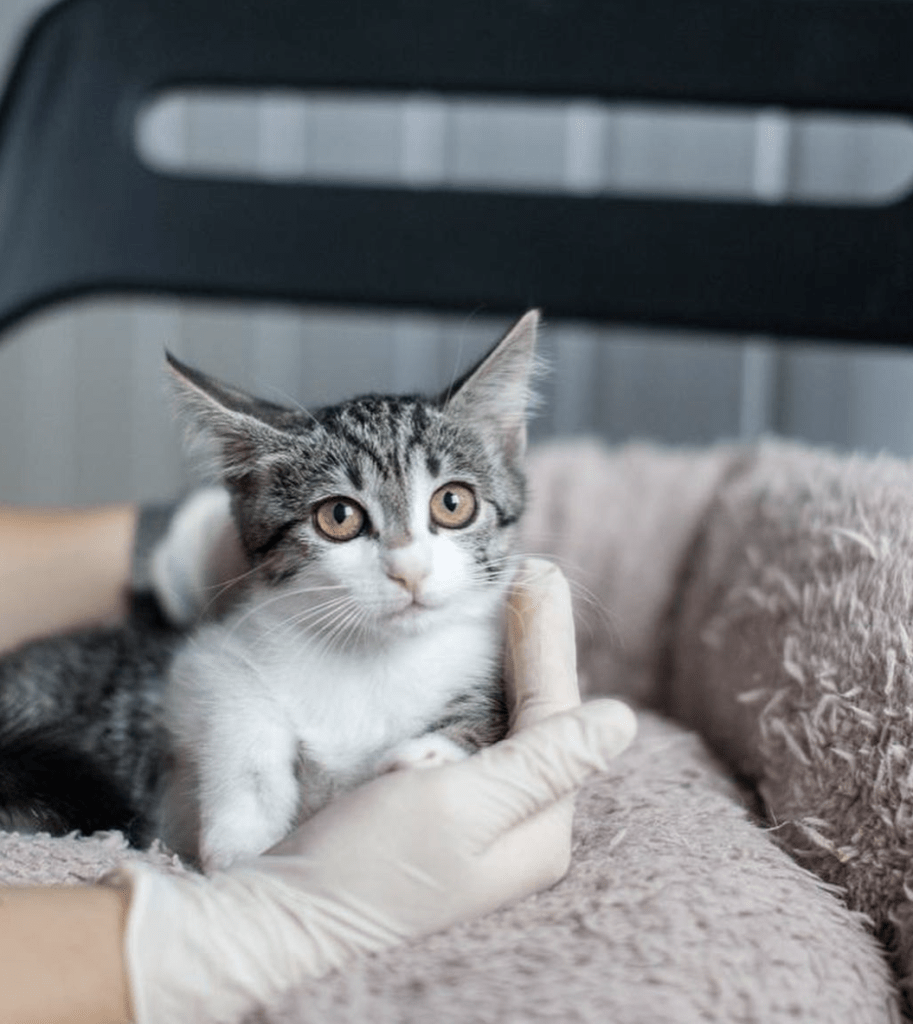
764, 598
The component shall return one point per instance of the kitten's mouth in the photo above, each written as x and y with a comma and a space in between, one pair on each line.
411, 612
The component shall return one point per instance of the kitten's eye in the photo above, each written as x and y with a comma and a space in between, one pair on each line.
339, 518
453, 506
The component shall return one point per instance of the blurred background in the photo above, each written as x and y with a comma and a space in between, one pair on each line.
84, 415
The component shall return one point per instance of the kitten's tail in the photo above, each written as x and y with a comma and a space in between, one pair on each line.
48, 786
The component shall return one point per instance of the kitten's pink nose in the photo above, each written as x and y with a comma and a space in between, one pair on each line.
408, 566
411, 582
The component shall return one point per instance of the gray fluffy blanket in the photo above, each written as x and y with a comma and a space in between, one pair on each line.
764, 598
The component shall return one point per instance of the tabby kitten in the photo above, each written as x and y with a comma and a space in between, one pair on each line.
379, 539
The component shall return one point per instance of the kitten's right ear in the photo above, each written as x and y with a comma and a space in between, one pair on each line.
222, 420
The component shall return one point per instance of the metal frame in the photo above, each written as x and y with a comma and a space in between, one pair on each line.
80, 213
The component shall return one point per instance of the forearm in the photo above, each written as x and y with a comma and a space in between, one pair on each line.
61, 955
63, 569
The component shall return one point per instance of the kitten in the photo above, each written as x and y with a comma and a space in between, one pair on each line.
379, 536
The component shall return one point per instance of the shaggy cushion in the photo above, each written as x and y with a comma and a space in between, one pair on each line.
620, 522
793, 653
678, 907
774, 615
49, 860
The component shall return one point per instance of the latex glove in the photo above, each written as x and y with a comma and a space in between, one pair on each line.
198, 568
407, 854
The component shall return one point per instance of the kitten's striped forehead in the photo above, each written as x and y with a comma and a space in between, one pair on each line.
379, 437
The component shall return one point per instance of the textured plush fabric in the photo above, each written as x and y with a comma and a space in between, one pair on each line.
695, 574
793, 653
46, 860
676, 909
774, 615
621, 524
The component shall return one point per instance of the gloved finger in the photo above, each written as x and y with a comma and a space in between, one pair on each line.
540, 669
532, 770
536, 853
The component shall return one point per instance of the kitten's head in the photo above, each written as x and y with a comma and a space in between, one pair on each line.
382, 514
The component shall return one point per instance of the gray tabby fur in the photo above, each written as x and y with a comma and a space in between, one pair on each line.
82, 743
340, 659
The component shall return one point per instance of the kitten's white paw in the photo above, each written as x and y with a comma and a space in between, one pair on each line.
428, 751
237, 837
254, 812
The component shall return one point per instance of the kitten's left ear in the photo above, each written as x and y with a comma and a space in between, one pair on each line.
498, 392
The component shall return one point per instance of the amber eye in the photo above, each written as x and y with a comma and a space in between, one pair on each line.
339, 518
453, 506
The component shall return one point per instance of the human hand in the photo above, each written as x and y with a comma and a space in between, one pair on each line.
198, 568
407, 854
63, 569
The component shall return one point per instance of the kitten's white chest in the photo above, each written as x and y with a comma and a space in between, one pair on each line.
346, 708
242, 716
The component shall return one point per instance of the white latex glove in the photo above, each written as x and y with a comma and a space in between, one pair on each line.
407, 854
198, 567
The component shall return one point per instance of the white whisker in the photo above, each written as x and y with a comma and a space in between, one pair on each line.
308, 618
335, 631
225, 586
265, 601
587, 604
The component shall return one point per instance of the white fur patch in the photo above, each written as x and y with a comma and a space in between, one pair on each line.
247, 695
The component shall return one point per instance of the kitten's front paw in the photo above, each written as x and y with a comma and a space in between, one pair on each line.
240, 833
220, 848
428, 751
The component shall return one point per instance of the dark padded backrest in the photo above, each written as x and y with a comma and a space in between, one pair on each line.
80, 213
